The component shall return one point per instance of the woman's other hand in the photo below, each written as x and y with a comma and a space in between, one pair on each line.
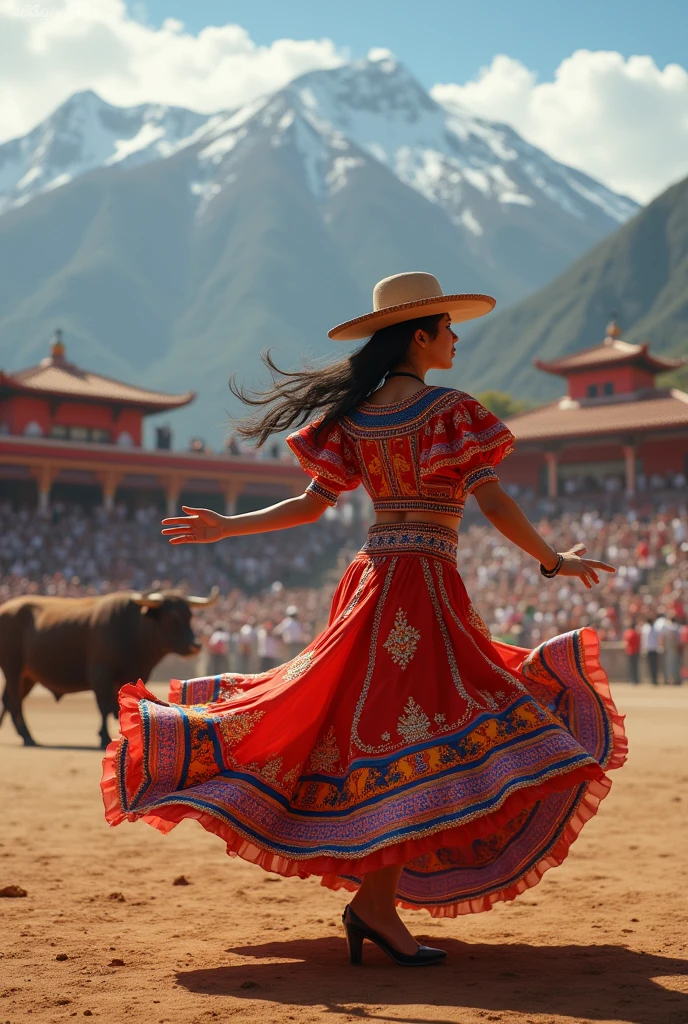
586, 569
508, 517
198, 526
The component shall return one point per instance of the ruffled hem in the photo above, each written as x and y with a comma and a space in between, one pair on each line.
598, 677
333, 869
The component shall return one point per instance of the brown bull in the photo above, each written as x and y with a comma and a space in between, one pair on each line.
90, 643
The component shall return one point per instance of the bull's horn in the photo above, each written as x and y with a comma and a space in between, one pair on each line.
148, 600
204, 602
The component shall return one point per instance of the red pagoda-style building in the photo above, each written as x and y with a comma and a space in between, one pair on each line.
68, 431
614, 421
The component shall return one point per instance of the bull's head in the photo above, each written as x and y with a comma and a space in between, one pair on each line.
171, 612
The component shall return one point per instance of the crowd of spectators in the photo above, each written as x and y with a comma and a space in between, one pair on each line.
75, 550
615, 484
276, 588
607, 492
647, 545
660, 642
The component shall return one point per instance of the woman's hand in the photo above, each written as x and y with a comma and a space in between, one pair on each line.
585, 568
198, 526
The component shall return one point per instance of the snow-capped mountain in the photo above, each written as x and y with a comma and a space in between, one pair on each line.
459, 162
450, 157
172, 246
85, 133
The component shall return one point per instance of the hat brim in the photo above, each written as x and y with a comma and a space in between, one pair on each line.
459, 308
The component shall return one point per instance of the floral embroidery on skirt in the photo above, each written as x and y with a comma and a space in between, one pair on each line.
402, 641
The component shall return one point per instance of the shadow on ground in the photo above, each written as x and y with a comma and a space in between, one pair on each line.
599, 983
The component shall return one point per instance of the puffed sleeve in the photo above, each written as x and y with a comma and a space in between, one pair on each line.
329, 458
465, 440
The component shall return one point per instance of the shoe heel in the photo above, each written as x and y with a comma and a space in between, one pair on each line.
354, 939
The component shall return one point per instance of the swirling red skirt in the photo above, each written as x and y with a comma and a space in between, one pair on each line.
401, 735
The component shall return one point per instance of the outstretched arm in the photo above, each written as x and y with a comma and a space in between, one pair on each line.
203, 526
507, 516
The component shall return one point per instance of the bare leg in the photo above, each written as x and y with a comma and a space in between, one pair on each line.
374, 904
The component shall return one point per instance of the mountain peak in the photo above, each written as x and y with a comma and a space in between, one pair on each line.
82, 97
379, 86
86, 132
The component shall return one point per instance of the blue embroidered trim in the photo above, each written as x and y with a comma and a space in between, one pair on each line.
408, 414
407, 538
322, 493
480, 475
446, 819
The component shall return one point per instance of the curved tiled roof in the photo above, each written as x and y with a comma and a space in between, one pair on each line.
568, 418
612, 352
56, 377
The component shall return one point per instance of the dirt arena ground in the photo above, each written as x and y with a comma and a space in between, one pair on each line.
104, 932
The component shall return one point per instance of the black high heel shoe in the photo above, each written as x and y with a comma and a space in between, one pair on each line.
357, 930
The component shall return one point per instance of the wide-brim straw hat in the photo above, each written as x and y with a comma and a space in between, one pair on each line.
406, 297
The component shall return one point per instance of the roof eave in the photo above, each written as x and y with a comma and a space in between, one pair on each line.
602, 432
655, 364
560, 369
166, 402
179, 403
664, 364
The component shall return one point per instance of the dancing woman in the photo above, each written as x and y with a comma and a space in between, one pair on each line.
403, 755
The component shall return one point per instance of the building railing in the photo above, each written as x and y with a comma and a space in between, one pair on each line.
169, 454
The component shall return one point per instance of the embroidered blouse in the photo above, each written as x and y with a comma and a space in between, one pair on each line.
425, 453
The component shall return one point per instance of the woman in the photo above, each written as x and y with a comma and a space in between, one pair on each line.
403, 755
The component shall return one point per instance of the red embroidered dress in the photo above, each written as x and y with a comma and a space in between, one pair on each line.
403, 733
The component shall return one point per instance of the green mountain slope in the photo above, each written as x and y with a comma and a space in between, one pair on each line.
104, 258
640, 274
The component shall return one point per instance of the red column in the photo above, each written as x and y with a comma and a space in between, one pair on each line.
44, 475
629, 457
552, 480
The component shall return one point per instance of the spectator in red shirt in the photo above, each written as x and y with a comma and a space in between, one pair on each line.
631, 639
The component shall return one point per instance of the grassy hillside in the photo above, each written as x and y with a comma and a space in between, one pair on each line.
640, 273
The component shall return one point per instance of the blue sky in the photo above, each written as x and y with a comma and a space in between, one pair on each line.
450, 40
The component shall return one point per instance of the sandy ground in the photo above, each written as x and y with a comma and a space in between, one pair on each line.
105, 933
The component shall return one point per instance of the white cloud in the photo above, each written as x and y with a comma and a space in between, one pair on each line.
623, 121
377, 53
50, 50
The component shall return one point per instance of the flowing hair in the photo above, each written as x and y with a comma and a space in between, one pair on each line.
336, 388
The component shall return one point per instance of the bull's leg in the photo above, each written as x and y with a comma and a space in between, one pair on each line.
103, 688
105, 707
16, 688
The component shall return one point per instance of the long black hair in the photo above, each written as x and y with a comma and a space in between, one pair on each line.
336, 388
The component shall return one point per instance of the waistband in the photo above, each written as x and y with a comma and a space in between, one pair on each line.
412, 538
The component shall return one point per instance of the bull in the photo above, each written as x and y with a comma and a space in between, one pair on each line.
90, 643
